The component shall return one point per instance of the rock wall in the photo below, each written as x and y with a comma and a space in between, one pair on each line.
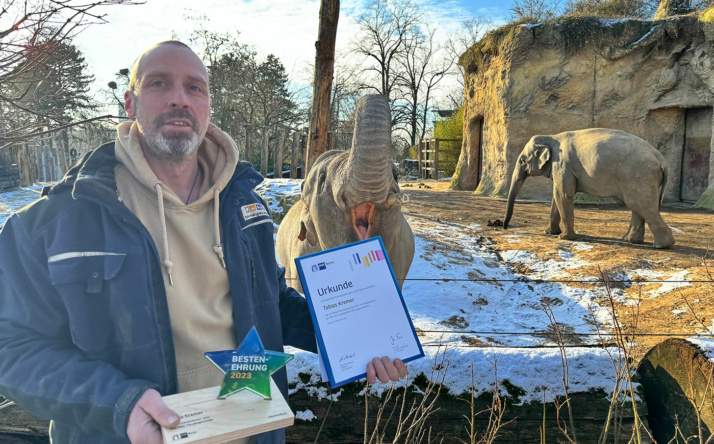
633, 75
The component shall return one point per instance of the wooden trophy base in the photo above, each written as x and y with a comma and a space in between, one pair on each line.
208, 420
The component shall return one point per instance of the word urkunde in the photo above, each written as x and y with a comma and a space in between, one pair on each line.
334, 288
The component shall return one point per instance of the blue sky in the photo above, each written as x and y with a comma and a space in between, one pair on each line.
286, 28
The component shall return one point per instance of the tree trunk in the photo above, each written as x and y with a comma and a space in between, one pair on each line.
295, 156
247, 152
322, 85
266, 152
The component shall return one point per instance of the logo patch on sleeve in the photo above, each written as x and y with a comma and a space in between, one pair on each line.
252, 211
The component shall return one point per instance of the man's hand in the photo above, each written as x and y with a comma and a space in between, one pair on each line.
385, 370
147, 417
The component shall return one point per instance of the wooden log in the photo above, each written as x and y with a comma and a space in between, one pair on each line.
295, 156
63, 152
247, 151
266, 152
278, 159
677, 379
322, 85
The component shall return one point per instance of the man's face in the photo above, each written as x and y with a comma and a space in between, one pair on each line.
170, 102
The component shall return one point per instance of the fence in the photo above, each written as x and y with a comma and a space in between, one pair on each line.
47, 159
271, 149
434, 158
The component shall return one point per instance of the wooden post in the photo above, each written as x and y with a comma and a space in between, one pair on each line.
62, 151
436, 160
322, 85
266, 152
330, 141
247, 152
278, 160
419, 151
303, 150
295, 156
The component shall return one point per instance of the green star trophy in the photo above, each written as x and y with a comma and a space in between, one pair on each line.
233, 411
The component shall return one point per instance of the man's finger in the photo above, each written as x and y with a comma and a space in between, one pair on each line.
371, 373
152, 404
401, 368
382, 374
392, 372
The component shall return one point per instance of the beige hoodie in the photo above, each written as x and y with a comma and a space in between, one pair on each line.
199, 297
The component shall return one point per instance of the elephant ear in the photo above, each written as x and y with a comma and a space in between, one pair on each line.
543, 155
307, 228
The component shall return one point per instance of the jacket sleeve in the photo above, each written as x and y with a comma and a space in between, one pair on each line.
298, 329
40, 368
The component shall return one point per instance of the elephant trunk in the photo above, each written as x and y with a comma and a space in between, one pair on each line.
516, 184
369, 170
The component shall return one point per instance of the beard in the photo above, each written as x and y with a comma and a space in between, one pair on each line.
172, 146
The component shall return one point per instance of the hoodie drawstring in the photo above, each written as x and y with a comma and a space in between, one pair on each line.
162, 216
217, 248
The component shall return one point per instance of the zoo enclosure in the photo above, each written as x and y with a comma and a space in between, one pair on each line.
435, 158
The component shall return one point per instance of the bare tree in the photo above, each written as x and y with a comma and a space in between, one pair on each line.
471, 31
29, 44
345, 93
535, 11
422, 67
386, 28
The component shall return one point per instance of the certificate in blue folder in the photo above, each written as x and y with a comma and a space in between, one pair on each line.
357, 309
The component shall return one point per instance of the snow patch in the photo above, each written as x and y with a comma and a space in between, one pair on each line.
305, 415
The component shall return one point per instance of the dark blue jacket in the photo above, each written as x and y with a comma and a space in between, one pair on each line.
84, 321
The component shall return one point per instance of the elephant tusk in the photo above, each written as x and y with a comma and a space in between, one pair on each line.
403, 198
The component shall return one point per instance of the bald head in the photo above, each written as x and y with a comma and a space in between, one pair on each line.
139, 64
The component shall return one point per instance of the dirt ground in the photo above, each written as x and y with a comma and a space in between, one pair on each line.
601, 226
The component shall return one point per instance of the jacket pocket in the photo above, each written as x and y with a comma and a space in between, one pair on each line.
264, 266
87, 284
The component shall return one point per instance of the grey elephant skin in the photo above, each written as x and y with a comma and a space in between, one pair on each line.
350, 196
601, 162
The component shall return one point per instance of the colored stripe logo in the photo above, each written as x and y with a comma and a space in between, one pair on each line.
371, 257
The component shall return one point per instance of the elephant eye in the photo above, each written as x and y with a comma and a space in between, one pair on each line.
521, 160
321, 181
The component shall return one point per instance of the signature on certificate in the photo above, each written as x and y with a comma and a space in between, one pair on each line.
395, 337
347, 357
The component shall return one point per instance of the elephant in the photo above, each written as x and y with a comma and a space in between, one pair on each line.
350, 196
601, 162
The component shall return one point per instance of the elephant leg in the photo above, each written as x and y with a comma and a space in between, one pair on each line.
563, 193
636, 232
646, 204
554, 227
661, 231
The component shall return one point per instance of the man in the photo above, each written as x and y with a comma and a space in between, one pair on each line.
149, 252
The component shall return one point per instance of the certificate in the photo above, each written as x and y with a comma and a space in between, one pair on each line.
357, 309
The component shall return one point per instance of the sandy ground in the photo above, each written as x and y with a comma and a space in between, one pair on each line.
686, 310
